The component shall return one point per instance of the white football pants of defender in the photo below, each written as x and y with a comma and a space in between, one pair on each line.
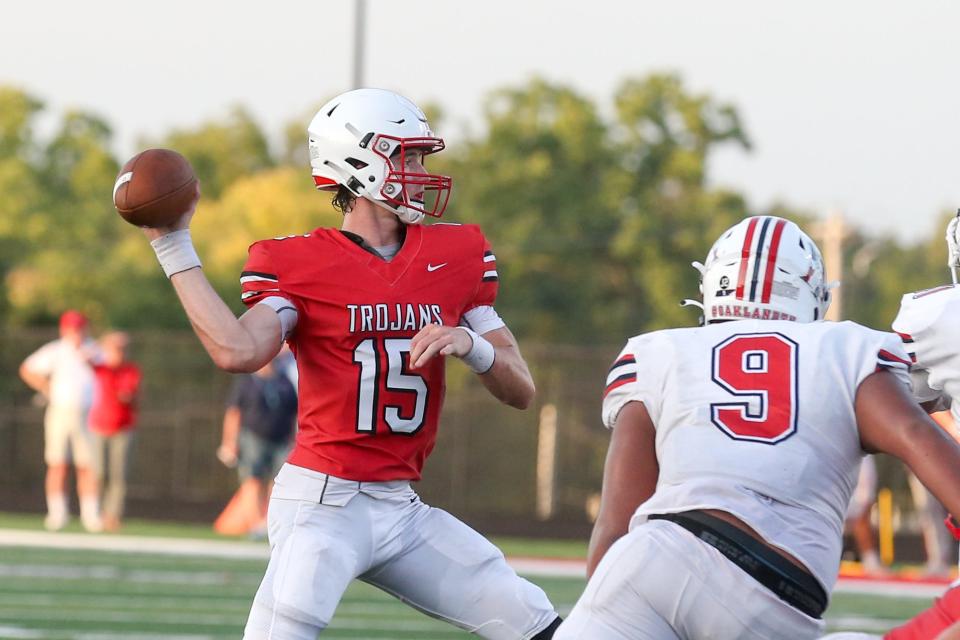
381, 533
660, 582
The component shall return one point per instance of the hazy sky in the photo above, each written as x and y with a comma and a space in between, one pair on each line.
851, 104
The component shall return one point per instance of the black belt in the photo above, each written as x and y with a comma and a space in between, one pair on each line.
789, 582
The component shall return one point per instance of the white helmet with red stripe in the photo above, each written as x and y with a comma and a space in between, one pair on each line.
371, 141
766, 268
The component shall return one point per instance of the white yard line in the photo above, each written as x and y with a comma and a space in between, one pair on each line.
20, 632
229, 549
135, 544
864, 625
893, 588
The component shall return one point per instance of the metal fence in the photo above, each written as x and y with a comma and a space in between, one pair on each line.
483, 469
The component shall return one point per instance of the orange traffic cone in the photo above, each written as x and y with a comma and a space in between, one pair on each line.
242, 513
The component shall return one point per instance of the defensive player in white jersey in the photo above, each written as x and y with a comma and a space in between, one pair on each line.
735, 449
929, 326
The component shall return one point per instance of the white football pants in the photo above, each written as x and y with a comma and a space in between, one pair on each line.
660, 582
326, 531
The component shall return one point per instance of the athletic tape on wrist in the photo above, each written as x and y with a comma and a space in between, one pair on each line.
175, 252
481, 355
285, 311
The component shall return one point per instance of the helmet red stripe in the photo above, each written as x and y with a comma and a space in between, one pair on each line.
745, 257
324, 183
772, 260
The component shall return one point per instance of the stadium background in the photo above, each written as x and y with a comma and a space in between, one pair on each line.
595, 201
595, 210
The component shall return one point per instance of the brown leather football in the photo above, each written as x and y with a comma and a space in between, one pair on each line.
154, 188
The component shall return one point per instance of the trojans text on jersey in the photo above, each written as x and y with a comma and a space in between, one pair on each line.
365, 318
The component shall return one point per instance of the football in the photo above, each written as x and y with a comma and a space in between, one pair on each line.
154, 188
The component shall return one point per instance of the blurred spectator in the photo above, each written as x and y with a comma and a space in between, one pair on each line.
858, 518
937, 541
258, 428
287, 363
112, 419
60, 371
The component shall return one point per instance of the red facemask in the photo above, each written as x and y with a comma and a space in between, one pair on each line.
400, 184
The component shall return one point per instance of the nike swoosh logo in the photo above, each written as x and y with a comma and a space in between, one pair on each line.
434, 267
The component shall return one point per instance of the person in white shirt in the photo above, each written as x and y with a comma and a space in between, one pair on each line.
735, 450
60, 370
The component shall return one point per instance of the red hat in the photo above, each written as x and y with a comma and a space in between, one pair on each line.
72, 319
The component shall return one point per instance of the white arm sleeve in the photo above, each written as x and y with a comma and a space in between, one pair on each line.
482, 319
286, 311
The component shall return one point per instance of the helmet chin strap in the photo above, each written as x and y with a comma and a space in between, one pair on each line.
407, 216
687, 302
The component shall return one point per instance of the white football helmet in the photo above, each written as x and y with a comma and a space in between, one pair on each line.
764, 267
361, 139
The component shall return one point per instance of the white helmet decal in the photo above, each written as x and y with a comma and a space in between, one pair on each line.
363, 139
766, 268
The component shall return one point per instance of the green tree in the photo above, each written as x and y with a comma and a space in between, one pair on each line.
880, 270
669, 214
18, 110
224, 150
21, 225
537, 184
74, 226
596, 223
269, 204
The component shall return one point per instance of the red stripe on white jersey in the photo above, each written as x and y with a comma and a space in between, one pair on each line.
745, 258
619, 382
772, 261
886, 355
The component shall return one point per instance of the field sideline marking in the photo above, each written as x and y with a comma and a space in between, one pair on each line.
237, 550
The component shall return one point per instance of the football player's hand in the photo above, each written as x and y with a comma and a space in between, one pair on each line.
183, 222
436, 339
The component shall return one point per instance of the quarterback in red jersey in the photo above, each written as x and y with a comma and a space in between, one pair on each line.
370, 311
356, 340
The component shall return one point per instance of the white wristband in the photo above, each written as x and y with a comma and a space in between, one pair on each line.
481, 355
175, 252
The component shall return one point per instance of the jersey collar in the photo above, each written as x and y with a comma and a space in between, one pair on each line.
390, 271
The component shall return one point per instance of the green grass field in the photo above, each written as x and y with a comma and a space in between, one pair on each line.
101, 595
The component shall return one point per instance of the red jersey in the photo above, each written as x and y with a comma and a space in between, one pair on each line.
930, 622
364, 414
114, 403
